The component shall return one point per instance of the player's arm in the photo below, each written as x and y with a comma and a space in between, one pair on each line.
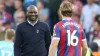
53, 46
47, 39
84, 48
17, 42
55, 41
84, 45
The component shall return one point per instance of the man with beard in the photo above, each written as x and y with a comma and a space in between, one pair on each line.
32, 36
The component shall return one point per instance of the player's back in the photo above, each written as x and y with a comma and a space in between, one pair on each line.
6, 48
71, 36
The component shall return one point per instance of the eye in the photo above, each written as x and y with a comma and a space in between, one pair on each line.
30, 12
34, 12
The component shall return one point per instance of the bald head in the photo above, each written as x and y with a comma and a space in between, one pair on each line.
32, 7
32, 13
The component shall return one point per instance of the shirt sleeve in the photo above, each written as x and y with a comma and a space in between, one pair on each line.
47, 38
83, 36
17, 42
56, 31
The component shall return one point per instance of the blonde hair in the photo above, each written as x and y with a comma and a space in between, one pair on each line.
10, 33
66, 8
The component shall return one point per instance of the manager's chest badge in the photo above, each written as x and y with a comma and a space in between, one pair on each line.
37, 31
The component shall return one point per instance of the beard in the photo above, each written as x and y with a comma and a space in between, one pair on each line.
31, 18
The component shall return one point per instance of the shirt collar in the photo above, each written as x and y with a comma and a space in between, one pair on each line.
32, 23
66, 18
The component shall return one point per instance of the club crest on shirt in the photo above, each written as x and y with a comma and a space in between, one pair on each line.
37, 31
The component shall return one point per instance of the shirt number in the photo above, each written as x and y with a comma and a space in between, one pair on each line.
71, 38
3, 52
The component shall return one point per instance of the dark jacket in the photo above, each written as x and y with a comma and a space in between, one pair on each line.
32, 40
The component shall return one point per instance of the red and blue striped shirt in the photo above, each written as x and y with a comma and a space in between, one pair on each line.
71, 36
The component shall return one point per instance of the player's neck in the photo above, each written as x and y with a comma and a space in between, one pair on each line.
66, 18
8, 40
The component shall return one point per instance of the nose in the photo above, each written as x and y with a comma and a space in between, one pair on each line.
33, 13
